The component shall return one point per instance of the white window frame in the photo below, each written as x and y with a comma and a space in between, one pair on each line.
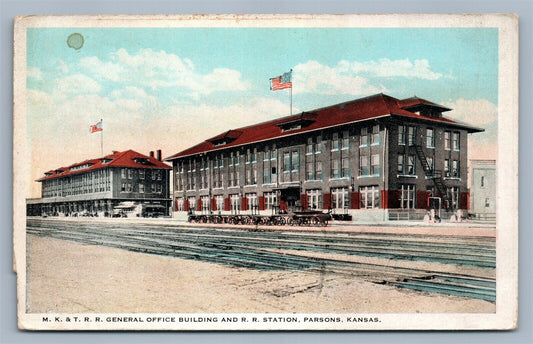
408, 196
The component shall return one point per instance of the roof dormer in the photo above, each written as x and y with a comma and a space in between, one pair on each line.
302, 121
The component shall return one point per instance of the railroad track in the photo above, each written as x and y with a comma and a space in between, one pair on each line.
268, 251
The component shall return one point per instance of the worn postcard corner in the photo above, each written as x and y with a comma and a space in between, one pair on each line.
266, 172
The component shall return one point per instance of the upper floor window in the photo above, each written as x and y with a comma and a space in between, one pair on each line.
455, 141
412, 136
345, 140
375, 135
401, 134
364, 136
430, 138
335, 141
447, 140
123, 173
141, 174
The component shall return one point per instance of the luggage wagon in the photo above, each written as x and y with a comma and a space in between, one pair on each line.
303, 218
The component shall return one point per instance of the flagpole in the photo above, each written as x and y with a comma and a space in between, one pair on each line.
102, 137
291, 91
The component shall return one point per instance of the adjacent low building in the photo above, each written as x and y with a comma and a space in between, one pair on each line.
483, 190
358, 159
122, 184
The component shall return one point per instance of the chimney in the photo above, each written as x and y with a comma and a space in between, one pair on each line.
159, 154
151, 154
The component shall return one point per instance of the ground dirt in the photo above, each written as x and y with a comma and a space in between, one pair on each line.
64, 276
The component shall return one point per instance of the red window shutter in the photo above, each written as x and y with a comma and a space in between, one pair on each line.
199, 204
355, 200
176, 205
213, 204
244, 203
327, 201
227, 206
422, 199
384, 199
463, 201
283, 205
261, 202
305, 201
186, 205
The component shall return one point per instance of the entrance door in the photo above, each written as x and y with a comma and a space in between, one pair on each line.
290, 200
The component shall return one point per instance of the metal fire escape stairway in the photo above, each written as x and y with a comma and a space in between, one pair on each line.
436, 175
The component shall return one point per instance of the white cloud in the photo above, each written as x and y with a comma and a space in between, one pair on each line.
352, 78
478, 112
34, 73
76, 84
158, 69
419, 69
313, 77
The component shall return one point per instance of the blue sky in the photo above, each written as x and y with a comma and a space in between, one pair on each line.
170, 88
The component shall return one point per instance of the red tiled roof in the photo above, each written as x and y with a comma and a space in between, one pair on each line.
379, 105
413, 101
118, 159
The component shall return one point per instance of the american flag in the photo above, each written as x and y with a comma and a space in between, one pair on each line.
281, 82
97, 127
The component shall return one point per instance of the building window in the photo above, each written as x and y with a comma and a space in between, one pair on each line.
345, 140
375, 169
123, 187
430, 166
401, 134
267, 154
430, 138
482, 182
309, 147
335, 172
455, 141
192, 203
318, 146
407, 200
141, 188
220, 202
267, 175
411, 164
375, 135
180, 204
153, 188
447, 138
130, 173
123, 173
235, 202
364, 136
339, 198
335, 142
364, 169
370, 197
318, 171
159, 173
205, 202
345, 165
253, 203
453, 196
295, 161
401, 164
287, 162
271, 200
314, 199
487, 202
455, 169
446, 168
141, 174
309, 170
412, 136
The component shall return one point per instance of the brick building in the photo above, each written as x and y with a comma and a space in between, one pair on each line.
360, 158
120, 184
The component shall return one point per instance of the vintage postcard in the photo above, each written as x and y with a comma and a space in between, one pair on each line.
266, 172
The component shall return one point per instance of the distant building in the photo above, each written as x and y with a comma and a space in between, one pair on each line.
483, 189
120, 184
360, 158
